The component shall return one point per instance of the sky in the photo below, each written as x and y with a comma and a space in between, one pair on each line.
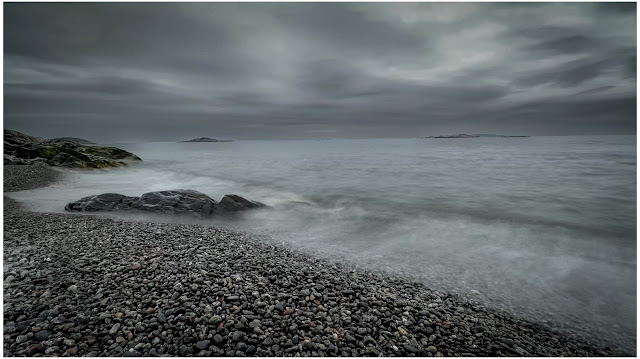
114, 72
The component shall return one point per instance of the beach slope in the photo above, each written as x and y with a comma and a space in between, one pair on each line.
91, 286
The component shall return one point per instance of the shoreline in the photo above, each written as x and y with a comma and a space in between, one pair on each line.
89, 285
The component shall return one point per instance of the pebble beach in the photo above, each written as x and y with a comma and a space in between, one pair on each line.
85, 285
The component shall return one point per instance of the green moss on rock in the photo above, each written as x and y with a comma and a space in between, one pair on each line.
109, 152
66, 154
47, 152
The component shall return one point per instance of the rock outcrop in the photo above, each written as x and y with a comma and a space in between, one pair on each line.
21, 149
234, 203
176, 201
180, 201
462, 135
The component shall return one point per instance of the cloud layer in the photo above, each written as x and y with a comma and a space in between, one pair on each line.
170, 71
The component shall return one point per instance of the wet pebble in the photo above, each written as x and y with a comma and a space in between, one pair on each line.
167, 289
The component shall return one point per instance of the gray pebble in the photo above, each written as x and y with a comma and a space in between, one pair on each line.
114, 329
215, 319
42, 335
203, 344
218, 339
351, 313
69, 342
237, 335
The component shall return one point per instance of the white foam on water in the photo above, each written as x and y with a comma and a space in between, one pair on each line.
542, 226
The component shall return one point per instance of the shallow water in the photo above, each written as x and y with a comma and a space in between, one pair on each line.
544, 227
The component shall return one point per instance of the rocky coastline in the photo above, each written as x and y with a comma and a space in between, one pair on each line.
22, 149
83, 285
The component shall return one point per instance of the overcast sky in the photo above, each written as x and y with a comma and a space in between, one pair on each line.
171, 71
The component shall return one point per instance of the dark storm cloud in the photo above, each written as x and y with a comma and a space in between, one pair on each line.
167, 71
617, 7
565, 44
568, 74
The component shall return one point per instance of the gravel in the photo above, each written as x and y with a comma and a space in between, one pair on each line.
24, 177
90, 286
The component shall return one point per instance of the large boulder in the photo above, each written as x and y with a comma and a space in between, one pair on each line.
179, 201
233, 203
102, 202
176, 201
61, 153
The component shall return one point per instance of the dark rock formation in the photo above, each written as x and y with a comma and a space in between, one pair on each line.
13, 160
102, 202
176, 201
172, 202
20, 149
234, 203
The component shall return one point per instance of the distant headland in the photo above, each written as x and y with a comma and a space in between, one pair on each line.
206, 139
464, 135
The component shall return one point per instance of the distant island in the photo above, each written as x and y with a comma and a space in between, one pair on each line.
71, 139
206, 139
464, 135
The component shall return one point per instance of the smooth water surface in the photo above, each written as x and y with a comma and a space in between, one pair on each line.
544, 227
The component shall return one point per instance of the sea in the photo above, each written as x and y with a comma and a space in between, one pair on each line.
542, 227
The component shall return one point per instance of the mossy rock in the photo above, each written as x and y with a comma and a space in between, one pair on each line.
103, 163
47, 152
109, 152
81, 156
67, 154
67, 160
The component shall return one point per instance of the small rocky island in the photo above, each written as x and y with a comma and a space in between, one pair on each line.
206, 139
462, 135
179, 201
21, 149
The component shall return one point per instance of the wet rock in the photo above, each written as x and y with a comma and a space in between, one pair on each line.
233, 203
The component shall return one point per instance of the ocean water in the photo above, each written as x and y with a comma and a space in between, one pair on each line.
543, 227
